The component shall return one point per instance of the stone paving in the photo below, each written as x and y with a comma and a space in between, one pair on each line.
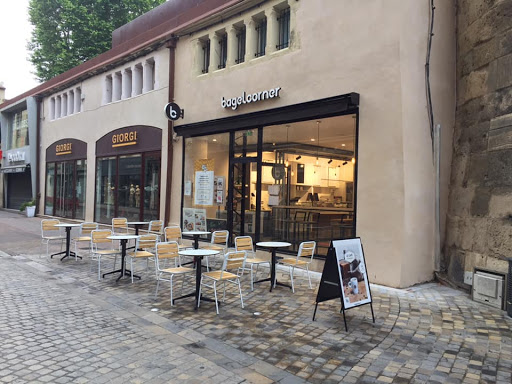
58, 323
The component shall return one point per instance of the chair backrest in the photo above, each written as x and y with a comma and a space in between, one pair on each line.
87, 228
300, 215
173, 233
244, 243
233, 260
220, 238
147, 241
167, 251
306, 249
314, 217
99, 236
119, 225
49, 225
156, 226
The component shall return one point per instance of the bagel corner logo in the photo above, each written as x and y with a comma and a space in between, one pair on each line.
246, 98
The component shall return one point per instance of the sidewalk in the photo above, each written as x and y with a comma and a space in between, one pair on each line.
60, 324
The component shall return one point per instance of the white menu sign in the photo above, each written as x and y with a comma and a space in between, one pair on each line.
204, 188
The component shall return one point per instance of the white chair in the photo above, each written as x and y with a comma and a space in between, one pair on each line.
84, 236
306, 251
219, 243
156, 227
102, 247
173, 233
232, 261
244, 243
143, 245
168, 251
51, 233
119, 226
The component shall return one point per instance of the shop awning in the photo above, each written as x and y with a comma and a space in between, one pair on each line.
14, 169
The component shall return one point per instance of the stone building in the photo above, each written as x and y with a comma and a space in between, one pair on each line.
479, 221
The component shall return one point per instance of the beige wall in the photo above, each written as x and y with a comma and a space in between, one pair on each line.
376, 48
97, 119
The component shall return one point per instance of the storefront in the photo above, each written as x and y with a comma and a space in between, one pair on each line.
280, 174
18, 183
128, 164
66, 179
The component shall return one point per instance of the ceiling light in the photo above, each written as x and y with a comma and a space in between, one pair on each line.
312, 139
298, 157
342, 145
353, 160
214, 139
317, 161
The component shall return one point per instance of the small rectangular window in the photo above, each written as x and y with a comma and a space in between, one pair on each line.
137, 79
78, 100
206, 56
52, 108
283, 21
240, 39
108, 89
223, 52
116, 88
261, 33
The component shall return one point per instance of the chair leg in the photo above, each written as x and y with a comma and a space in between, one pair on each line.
157, 285
252, 280
224, 293
240, 290
309, 277
171, 290
215, 292
99, 267
131, 267
200, 289
291, 278
207, 266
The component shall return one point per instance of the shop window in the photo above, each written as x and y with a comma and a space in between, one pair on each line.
137, 80
240, 40
71, 102
64, 107
127, 83
149, 75
205, 55
283, 22
50, 185
116, 86
78, 100
19, 132
58, 105
108, 89
52, 108
261, 34
223, 50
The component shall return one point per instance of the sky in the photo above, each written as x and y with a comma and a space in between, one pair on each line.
16, 72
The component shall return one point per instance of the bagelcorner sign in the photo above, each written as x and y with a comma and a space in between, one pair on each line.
246, 98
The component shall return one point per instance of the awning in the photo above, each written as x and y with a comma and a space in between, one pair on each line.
14, 169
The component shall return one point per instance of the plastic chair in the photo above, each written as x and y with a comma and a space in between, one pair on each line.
102, 247
169, 251
51, 233
244, 243
232, 260
142, 245
306, 249
84, 236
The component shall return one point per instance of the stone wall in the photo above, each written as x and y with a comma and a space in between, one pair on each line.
479, 222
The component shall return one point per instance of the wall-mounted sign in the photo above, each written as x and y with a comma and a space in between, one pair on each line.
13, 157
133, 139
247, 98
66, 149
63, 149
173, 111
124, 139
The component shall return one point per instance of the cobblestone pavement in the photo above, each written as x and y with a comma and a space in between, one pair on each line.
58, 323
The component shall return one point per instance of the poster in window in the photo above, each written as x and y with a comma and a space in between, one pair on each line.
219, 190
200, 220
188, 188
204, 188
352, 271
188, 219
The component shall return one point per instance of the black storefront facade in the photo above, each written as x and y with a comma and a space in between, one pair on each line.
288, 173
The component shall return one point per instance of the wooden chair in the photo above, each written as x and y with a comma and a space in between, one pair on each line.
102, 247
84, 236
219, 243
156, 227
168, 251
306, 252
232, 261
143, 246
119, 225
244, 243
51, 233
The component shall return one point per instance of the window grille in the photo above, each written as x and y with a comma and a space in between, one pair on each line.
261, 32
240, 46
223, 51
283, 21
206, 56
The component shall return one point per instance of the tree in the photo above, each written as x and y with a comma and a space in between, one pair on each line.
69, 32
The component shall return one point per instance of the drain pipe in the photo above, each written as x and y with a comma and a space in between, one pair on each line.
38, 153
437, 161
171, 44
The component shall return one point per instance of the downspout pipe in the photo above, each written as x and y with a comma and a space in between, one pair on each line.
39, 100
171, 44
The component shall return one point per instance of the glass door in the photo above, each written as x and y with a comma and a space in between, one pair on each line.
64, 189
129, 187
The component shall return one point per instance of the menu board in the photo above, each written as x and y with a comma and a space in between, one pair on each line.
204, 188
352, 271
194, 219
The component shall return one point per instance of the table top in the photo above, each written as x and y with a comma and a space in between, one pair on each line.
63, 225
196, 233
122, 237
137, 222
272, 244
198, 252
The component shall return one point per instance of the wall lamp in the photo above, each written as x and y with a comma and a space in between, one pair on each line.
345, 163
298, 157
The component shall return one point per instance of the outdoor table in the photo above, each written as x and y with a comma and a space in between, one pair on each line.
67, 252
198, 255
273, 245
137, 225
123, 239
196, 235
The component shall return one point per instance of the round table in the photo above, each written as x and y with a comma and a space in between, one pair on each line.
123, 239
196, 235
137, 225
273, 245
198, 255
67, 252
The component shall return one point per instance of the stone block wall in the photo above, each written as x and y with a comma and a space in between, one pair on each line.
479, 221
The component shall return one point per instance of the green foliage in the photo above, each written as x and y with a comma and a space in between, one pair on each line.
69, 32
27, 204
